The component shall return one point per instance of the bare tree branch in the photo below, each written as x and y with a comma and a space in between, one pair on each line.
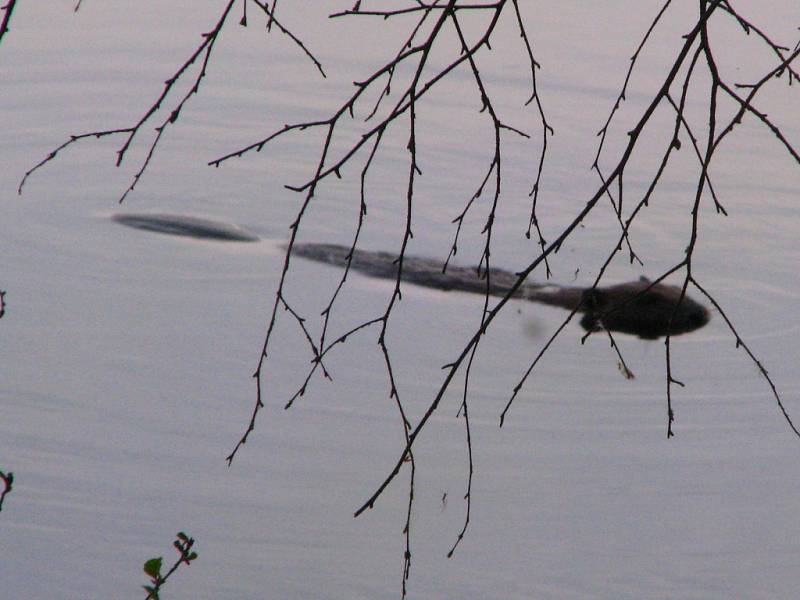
7, 9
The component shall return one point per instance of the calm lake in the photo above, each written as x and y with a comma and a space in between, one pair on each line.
126, 356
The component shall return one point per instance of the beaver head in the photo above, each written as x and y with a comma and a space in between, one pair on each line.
648, 313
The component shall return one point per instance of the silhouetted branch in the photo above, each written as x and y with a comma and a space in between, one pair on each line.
623, 367
271, 20
386, 14
429, 23
464, 410
546, 130
72, 139
741, 344
453, 367
604, 130
7, 9
8, 484
748, 26
621, 97
202, 54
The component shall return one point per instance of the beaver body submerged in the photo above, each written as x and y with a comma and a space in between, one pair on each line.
627, 307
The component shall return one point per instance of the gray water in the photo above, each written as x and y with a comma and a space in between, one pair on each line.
126, 356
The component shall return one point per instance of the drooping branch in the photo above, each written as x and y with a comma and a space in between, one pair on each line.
7, 9
386, 14
201, 54
604, 130
453, 367
740, 343
414, 91
8, 484
204, 49
429, 22
748, 26
621, 97
271, 20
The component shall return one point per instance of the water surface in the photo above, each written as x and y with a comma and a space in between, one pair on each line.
125, 357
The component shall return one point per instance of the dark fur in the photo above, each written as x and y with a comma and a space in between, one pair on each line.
637, 307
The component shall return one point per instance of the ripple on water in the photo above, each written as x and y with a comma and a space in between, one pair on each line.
186, 226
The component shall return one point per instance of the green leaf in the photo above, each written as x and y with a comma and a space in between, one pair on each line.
192, 556
153, 567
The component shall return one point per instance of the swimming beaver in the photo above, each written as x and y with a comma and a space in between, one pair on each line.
625, 308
